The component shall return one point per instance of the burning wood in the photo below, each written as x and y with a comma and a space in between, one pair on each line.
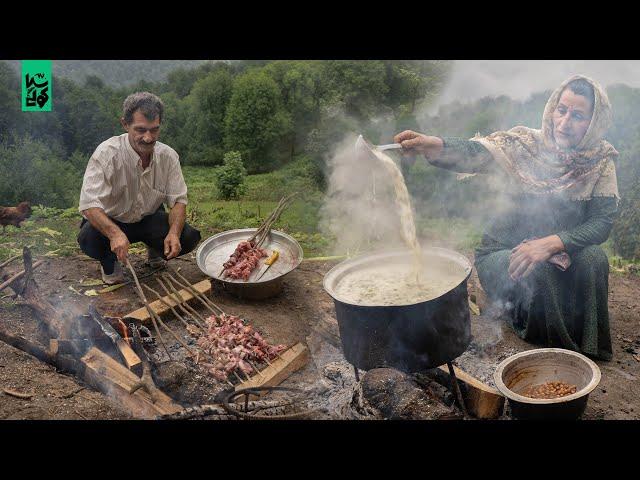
233, 345
95, 367
130, 358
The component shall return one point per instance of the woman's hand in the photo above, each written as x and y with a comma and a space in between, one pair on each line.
414, 143
526, 256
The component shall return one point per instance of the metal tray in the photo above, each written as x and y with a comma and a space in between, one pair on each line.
216, 250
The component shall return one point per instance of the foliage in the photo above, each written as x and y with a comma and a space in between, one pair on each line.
207, 104
230, 177
256, 120
31, 171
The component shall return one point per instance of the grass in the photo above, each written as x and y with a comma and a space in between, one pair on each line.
619, 265
48, 231
300, 220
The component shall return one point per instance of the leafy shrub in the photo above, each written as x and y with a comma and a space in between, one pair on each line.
625, 234
231, 176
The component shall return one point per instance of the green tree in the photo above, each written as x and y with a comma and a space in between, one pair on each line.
357, 85
208, 103
30, 170
302, 92
173, 131
9, 99
413, 83
88, 117
256, 123
231, 176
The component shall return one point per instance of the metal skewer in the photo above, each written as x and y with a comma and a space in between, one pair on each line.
149, 309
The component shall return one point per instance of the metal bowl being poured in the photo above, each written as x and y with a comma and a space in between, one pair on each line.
365, 149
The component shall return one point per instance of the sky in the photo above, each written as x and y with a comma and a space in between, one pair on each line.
473, 79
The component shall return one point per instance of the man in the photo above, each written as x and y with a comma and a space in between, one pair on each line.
128, 179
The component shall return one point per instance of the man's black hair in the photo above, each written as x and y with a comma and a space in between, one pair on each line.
149, 105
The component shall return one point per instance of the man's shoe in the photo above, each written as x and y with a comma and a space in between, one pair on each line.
154, 259
116, 277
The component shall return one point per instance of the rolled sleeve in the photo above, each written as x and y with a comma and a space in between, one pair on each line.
176, 186
94, 187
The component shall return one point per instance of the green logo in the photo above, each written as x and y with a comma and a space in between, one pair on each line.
36, 86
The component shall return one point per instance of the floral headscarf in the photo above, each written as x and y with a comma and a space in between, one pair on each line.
532, 158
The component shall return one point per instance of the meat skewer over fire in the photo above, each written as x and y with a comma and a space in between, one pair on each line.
248, 253
231, 345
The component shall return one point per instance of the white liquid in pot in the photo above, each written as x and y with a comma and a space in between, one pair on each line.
387, 285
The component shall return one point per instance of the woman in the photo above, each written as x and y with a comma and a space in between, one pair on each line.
539, 256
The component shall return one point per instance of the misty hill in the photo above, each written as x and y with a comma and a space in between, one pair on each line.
116, 73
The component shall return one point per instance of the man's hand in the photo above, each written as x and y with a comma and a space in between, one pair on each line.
172, 245
526, 256
120, 246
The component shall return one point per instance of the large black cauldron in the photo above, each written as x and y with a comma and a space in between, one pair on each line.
410, 338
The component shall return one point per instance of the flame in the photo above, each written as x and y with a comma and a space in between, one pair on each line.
123, 326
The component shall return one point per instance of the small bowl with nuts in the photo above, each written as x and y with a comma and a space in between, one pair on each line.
547, 383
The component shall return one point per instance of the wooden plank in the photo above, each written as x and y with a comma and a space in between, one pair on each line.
66, 347
114, 380
131, 359
280, 369
69, 347
142, 315
481, 400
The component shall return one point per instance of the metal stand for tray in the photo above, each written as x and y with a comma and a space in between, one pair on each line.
456, 389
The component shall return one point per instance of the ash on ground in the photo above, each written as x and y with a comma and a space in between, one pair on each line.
381, 393
487, 349
180, 377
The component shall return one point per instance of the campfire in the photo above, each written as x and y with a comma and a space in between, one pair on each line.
110, 354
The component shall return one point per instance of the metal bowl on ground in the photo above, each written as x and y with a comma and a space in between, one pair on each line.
539, 366
216, 250
410, 338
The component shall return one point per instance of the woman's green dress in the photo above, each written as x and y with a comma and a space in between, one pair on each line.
550, 307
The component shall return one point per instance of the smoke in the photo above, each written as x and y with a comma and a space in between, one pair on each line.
359, 210
473, 79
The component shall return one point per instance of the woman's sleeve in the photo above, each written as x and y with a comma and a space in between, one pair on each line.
463, 156
601, 212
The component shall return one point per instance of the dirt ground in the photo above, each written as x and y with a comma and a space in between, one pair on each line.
287, 318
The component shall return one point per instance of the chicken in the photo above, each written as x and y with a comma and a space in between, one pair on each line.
14, 215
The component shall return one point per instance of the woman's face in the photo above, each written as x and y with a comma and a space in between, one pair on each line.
571, 119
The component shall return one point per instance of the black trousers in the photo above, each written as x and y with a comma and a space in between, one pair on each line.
151, 230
